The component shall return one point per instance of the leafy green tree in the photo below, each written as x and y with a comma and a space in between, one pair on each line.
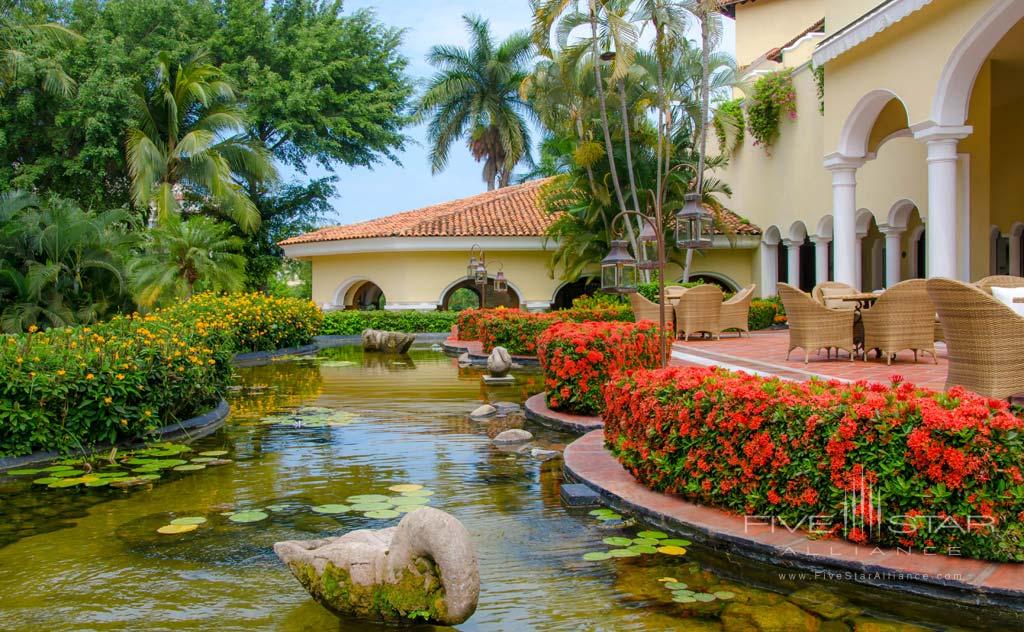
17, 32
60, 265
183, 256
475, 95
189, 136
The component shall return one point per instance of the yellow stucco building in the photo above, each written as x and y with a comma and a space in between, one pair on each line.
908, 167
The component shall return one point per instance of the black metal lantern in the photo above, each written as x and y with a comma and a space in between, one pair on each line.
648, 246
618, 270
694, 227
500, 282
474, 263
480, 274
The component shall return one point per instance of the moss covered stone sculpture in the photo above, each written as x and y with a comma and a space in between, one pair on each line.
423, 569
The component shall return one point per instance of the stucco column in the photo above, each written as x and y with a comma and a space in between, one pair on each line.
942, 141
844, 216
769, 268
893, 254
821, 259
792, 262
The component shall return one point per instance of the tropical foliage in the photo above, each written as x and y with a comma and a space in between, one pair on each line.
773, 96
353, 322
475, 96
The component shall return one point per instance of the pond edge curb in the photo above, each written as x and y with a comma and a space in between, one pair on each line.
587, 461
536, 409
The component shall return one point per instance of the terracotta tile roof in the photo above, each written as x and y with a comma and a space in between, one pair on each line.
513, 211
775, 54
728, 7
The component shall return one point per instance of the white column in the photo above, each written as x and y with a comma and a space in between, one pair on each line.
858, 261
792, 262
769, 268
942, 197
844, 215
893, 254
821, 259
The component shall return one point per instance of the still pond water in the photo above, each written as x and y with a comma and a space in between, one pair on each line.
90, 558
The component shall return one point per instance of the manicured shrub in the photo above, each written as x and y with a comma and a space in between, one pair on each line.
518, 331
76, 387
578, 358
762, 314
889, 465
352, 322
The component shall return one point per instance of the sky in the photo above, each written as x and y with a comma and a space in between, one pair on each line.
390, 188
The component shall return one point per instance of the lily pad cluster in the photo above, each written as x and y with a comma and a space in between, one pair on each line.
131, 469
409, 498
681, 592
644, 543
311, 417
605, 515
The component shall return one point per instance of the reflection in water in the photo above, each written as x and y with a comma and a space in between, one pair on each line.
91, 558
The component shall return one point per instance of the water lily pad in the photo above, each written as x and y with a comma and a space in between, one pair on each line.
124, 483
112, 474
382, 514
189, 467
248, 516
704, 597
405, 488
361, 507
419, 492
675, 542
644, 549
724, 594
601, 512
684, 599
672, 550
410, 500
282, 507
617, 541
213, 453
99, 482
176, 529
683, 593
138, 461
57, 468
216, 462
674, 585
609, 517
164, 464
407, 508
46, 480
23, 472
367, 498
66, 482
203, 459
187, 520
645, 541
147, 469
67, 473
653, 535
623, 553
149, 477
331, 509
666, 579
596, 556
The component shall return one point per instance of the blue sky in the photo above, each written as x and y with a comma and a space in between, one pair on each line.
388, 188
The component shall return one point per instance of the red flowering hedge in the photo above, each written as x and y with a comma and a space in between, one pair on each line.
892, 465
577, 358
518, 330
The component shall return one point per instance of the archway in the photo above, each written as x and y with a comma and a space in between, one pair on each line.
511, 298
879, 116
572, 290
824, 253
713, 278
916, 249
359, 293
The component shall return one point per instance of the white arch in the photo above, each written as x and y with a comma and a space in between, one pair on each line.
798, 232
953, 92
718, 276
511, 285
899, 213
853, 140
863, 224
772, 236
825, 225
338, 298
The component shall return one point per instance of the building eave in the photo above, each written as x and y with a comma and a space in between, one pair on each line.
865, 27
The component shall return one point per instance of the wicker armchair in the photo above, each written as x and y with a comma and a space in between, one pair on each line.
699, 310
999, 280
644, 309
812, 326
819, 295
984, 339
903, 317
736, 311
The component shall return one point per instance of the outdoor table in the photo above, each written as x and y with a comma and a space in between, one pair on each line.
862, 300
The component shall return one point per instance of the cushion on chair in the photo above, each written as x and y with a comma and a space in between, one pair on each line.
1006, 295
828, 293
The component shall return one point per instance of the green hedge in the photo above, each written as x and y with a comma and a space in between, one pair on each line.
77, 387
352, 322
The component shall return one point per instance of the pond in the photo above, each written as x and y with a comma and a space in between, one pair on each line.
91, 558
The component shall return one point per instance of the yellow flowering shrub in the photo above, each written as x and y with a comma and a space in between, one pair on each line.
75, 387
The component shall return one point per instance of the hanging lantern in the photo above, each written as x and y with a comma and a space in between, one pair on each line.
500, 283
694, 227
618, 270
480, 274
471, 268
648, 245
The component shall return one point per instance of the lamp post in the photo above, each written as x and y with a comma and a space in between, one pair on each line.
477, 271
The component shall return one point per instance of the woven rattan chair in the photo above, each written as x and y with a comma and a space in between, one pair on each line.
699, 310
644, 309
812, 326
999, 280
903, 317
819, 295
984, 339
736, 311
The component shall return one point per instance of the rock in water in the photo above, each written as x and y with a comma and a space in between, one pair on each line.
544, 455
499, 362
514, 435
424, 568
483, 412
387, 341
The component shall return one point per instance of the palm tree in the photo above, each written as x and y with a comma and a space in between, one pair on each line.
190, 139
475, 94
15, 35
59, 265
183, 256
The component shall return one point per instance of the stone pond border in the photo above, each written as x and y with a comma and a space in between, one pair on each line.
475, 349
537, 410
981, 583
